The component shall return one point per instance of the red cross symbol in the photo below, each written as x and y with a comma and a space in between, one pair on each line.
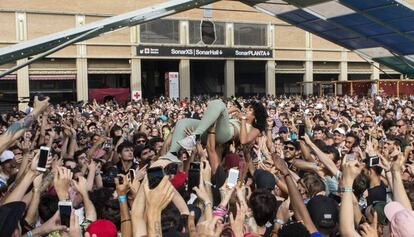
137, 95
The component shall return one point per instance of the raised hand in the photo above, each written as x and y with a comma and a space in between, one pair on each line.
81, 186
62, 182
158, 198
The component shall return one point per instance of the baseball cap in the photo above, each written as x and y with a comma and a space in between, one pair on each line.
10, 215
6, 155
324, 211
283, 129
340, 131
264, 179
170, 157
102, 228
401, 219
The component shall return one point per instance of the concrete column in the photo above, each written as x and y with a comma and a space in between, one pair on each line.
343, 75
229, 34
136, 72
375, 75
308, 77
270, 78
136, 83
81, 65
229, 79
184, 36
82, 79
184, 75
271, 39
23, 89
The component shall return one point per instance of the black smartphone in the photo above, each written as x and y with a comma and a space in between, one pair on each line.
44, 153
131, 174
195, 166
65, 210
144, 163
193, 179
171, 169
374, 161
301, 130
198, 137
155, 176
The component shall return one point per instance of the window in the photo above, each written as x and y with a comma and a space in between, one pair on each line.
195, 32
250, 34
160, 31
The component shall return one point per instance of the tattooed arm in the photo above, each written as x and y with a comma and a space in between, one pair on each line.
17, 129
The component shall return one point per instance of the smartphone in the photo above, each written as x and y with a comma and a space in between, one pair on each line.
301, 131
193, 179
144, 163
171, 169
155, 176
381, 143
195, 166
232, 178
350, 157
374, 161
198, 137
65, 210
44, 154
131, 174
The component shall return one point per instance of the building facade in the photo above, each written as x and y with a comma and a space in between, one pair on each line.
253, 53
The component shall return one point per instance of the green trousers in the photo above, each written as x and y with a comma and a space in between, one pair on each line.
216, 112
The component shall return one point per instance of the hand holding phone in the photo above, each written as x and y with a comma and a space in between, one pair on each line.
374, 161
155, 176
301, 131
131, 174
44, 154
65, 210
232, 178
350, 157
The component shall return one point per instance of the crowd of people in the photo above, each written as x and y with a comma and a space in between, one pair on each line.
259, 166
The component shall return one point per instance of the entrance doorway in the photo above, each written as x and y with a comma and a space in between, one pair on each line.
153, 76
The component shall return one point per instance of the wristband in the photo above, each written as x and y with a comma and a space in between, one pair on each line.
29, 233
207, 203
219, 211
279, 221
125, 220
346, 190
210, 184
286, 175
122, 198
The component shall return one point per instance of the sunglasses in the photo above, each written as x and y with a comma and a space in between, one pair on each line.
141, 141
289, 148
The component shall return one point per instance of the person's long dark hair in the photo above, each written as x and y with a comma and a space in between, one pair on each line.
260, 115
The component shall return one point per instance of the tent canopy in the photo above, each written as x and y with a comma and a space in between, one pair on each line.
381, 30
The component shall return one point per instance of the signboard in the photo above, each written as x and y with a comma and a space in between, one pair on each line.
136, 95
173, 84
181, 51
